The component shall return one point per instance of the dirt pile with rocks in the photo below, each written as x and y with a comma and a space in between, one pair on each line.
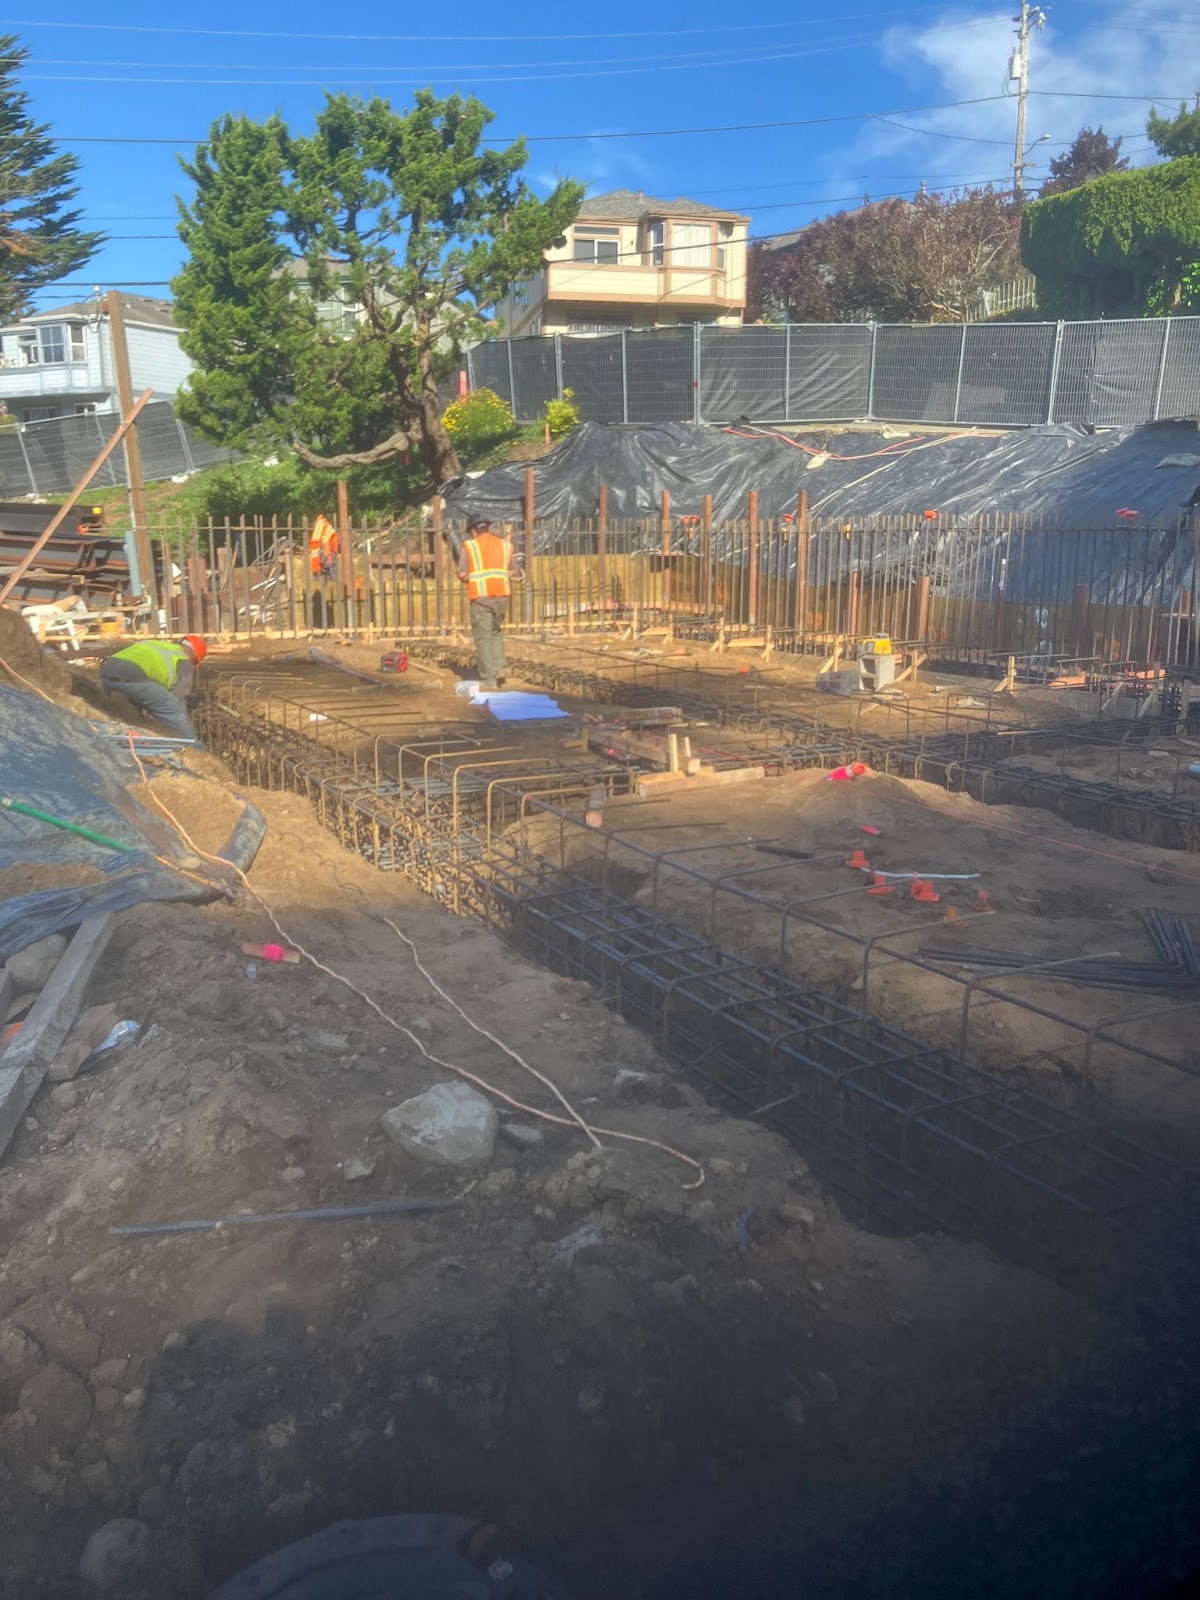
20, 650
656, 1386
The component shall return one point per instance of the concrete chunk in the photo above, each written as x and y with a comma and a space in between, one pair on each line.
449, 1125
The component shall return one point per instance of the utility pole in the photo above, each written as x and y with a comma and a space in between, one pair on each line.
115, 308
1018, 73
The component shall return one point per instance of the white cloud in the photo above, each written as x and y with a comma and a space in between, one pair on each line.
1110, 53
603, 164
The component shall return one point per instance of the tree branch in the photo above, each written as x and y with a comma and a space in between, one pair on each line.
390, 448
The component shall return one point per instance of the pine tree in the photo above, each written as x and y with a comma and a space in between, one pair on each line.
1176, 136
40, 237
334, 279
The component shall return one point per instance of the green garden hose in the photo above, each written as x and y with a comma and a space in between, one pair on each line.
7, 803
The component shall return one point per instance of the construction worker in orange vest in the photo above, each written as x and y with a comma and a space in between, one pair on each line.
487, 565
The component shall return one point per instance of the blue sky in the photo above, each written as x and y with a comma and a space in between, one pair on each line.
125, 73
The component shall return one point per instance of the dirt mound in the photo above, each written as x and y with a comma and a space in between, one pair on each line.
20, 651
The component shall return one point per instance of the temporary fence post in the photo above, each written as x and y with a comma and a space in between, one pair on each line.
924, 587
1079, 618
558, 377
602, 550
471, 369
874, 326
697, 368
1054, 364
962, 355
802, 534
752, 575
512, 382
787, 372
624, 380
185, 449
1162, 369
33, 487
530, 508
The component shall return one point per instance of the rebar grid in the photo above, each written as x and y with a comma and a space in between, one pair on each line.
903, 1131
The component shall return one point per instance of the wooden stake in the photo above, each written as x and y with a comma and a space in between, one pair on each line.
752, 581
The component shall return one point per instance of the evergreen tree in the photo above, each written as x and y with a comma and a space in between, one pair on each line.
40, 237
334, 279
1176, 136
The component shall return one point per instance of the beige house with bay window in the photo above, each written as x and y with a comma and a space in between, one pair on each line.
631, 261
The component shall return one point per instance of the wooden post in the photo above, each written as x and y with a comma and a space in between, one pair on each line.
60, 516
439, 560
664, 517
752, 578
802, 535
602, 551
115, 308
1079, 618
706, 563
852, 624
530, 512
923, 588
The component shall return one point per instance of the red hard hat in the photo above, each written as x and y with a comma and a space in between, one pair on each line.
196, 645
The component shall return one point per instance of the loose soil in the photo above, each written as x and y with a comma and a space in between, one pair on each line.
735, 1392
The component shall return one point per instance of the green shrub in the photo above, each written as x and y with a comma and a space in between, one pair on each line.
478, 419
562, 416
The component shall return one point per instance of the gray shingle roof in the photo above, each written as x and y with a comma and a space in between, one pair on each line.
138, 308
626, 205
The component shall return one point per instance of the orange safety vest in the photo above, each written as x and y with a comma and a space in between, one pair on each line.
322, 545
488, 558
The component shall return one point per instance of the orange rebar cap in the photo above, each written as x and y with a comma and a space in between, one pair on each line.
196, 645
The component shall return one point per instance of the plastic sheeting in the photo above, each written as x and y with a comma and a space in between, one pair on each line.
1077, 478
52, 760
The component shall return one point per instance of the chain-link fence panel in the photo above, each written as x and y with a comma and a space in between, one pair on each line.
743, 373
916, 373
829, 372
1108, 372
199, 452
1179, 389
489, 369
593, 369
61, 449
1006, 374
658, 375
535, 377
15, 477
163, 454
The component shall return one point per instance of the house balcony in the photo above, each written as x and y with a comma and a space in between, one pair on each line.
52, 380
633, 284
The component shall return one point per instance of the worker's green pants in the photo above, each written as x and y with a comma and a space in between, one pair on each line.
487, 624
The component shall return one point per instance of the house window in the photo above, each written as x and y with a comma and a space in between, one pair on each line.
724, 235
520, 294
691, 244
40, 414
88, 409
78, 352
655, 242
47, 346
600, 246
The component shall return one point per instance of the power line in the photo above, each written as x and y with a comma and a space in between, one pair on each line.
734, 127
444, 38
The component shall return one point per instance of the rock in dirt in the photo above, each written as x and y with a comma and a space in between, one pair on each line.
20, 1358
334, 1044
292, 1176
115, 1555
61, 1404
33, 967
65, 1096
524, 1134
648, 1088
449, 1125
358, 1168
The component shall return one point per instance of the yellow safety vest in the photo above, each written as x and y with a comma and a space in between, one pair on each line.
160, 662
488, 559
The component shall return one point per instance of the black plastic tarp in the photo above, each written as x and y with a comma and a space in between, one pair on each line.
55, 762
1073, 478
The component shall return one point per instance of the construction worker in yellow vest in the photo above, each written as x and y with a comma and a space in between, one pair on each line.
157, 675
487, 565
